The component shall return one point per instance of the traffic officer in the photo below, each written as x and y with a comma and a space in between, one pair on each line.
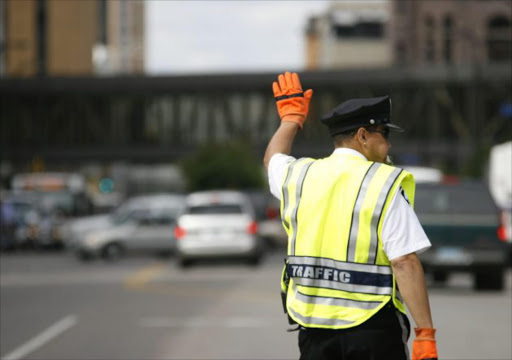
351, 263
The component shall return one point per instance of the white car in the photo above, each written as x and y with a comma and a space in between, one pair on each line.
217, 224
424, 175
75, 229
147, 224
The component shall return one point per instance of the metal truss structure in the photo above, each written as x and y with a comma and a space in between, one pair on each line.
450, 114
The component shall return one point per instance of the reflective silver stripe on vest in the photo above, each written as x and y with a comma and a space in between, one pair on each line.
321, 300
311, 320
298, 194
329, 284
377, 212
354, 227
286, 201
340, 265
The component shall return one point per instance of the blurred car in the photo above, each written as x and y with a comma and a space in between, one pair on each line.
267, 210
19, 220
270, 227
63, 191
57, 198
500, 186
75, 229
217, 224
146, 223
461, 221
424, 174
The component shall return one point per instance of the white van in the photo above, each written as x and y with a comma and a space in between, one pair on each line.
500, 186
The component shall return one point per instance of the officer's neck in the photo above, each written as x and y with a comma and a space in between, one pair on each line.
353, 144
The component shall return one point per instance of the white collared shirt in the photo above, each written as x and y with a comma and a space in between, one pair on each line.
402, 233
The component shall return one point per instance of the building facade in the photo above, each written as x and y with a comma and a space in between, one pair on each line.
451, 32
351, 34
72, 38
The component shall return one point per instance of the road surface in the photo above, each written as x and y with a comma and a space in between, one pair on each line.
54, 307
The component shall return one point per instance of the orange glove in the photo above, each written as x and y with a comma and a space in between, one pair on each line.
292, 103
424, 346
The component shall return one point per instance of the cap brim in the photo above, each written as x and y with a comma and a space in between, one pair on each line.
394, 127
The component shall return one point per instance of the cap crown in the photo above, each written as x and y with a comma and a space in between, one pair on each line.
355, 113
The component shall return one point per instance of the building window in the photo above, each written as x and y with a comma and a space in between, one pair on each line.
41, 37
499, 39
367, 29
102, 22
447, 39
429, 40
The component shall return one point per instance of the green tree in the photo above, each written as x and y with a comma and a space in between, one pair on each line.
223, 166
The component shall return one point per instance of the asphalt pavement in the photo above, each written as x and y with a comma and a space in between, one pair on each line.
54, 307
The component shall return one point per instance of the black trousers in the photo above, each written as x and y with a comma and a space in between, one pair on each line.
384, 336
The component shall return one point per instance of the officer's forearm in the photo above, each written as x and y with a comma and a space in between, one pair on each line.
282, 141
411, 282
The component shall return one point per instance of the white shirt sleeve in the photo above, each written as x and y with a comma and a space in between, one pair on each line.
277, 168
402, 233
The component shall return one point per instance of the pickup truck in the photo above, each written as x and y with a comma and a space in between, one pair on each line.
461, 221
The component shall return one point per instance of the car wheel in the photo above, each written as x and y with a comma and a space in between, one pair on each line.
184, 263
489, 279
254, 260
112, 251
440, 277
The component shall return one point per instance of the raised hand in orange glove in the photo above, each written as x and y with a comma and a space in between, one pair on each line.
292, 103
424, 345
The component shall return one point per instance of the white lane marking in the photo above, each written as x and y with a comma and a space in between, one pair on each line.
232, 322
43, 338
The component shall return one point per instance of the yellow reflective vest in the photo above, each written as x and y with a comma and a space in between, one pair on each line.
337, 274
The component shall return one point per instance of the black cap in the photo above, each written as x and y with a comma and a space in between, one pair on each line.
355, 113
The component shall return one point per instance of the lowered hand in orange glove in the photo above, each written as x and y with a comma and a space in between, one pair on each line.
424, 346
292, 103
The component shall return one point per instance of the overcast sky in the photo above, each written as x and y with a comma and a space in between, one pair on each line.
226, 36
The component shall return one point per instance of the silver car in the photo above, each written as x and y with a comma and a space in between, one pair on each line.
146, 225
217, 224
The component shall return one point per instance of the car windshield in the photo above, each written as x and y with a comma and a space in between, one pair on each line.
155, 215
468, 199
215, 209
121, 214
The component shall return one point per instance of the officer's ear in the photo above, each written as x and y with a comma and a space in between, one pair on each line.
361, 135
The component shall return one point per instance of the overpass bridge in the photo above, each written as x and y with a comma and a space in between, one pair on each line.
450, 114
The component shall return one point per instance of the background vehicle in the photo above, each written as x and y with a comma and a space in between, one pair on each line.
18, 222
76, 229
424, 174
217, 224
145, 224
500, 186
461, 222
57, 197
270, 228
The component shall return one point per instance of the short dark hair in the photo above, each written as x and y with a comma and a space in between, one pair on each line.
344, 136
349, 134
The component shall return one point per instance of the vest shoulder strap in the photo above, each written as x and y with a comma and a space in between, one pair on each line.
290, 195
